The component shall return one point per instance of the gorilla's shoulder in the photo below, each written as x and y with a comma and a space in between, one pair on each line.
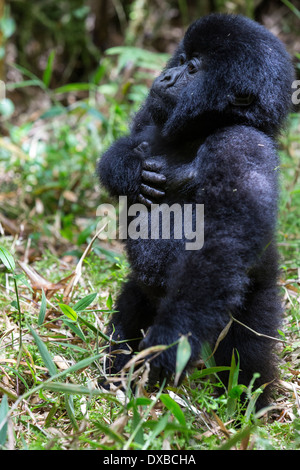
240, 138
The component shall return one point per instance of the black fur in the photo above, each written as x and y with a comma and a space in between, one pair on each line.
206, 135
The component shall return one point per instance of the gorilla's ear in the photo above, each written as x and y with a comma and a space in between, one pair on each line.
242, 100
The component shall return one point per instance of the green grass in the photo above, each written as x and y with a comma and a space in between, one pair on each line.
52, 348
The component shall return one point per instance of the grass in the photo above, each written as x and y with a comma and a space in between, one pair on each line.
56, 297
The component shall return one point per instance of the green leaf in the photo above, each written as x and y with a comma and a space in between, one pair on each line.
207, 355
49, 68
209, 371
76, 328
236, 391
3, 413
75, 87
139, 435
234, 371
182, 357
82, 364
53, 112
68, 311
51, 414
160, 426
109, 432
140, 401
7, 259
109, 302
74, 389
174, 408
84, 303
44, 352
42, 309
237, 437
69, 403
88, 325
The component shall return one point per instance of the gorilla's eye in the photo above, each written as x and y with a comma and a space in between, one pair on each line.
192, 66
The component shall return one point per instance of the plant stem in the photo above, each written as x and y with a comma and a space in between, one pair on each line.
20, 313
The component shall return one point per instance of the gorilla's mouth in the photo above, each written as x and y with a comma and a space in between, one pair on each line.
156, 95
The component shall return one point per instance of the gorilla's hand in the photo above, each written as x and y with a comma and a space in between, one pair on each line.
162, 365
152, 180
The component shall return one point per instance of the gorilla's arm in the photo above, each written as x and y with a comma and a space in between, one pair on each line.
127, 169
120, 168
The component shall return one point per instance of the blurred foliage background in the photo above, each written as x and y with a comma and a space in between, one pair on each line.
74, 72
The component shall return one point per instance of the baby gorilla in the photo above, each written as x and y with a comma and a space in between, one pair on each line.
206, 135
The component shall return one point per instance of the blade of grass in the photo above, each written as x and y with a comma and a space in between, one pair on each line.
48, 70
68, 311
173, 407
69, 403
42, 312
84, 303
7, 259
4, 409
160, 426
73, 389
44, 352
182, 357
144, 417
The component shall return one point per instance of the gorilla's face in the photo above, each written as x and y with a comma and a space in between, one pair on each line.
174, 81
226, 69
171, 87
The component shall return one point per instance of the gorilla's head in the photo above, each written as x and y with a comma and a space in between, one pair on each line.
227, 70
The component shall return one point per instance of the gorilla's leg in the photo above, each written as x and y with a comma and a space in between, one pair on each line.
134, 313
261, 313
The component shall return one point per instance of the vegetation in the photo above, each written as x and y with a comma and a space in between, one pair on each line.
58, 282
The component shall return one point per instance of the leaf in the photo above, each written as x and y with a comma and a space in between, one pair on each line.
174, 408
44, 352
3, 413
42, 309
53, 112
109, 432
211, 371
84, 303
7, 259
160, 426
234, 371
49, 68
207, 356
69, 403
109, 302
76, 328
68, 311
182, 357
137, 419
234, 390
140, 401
74, 389
51, 414
75, 87
239, 436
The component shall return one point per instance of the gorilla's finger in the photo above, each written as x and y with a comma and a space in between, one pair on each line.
143, 148
152, 165
149, 191
144, 200
153, 177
